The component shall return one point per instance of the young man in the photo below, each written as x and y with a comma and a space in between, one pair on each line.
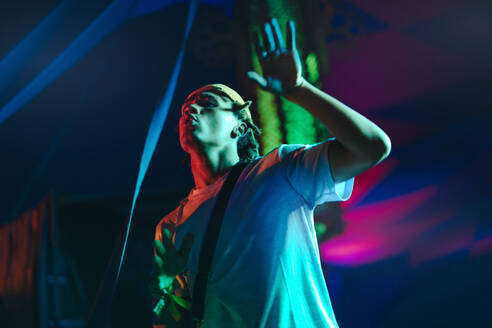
266, 269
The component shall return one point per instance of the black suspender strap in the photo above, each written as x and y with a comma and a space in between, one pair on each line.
210, 242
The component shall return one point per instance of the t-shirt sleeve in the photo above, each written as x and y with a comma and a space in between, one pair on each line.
308, 171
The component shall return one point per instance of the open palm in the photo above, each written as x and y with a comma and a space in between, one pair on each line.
170, 261
280, 62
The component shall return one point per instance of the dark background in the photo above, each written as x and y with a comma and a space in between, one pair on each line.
417, 245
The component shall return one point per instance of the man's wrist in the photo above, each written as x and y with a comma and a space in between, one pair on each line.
294, 91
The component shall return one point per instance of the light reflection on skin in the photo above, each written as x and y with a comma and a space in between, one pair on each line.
206, 120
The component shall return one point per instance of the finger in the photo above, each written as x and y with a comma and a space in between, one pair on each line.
277, 35
257, 78
159, 248
258, 46
268, 39
158, 262
166, 238
187, 244
291, 35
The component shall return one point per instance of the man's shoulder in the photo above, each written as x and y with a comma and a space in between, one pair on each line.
169, 219
290, 151
274, 157
284, 151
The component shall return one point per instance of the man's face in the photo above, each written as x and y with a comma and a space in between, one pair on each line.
206, 121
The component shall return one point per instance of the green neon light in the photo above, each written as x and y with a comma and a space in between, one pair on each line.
312, 68
320, 228
299, 124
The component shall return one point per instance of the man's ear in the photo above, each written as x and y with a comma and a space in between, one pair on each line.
239, 130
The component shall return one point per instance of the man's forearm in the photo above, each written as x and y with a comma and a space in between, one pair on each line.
354, 131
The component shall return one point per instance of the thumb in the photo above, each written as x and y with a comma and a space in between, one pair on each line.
260, 80
187, 244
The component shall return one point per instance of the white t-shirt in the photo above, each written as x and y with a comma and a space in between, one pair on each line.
266, 270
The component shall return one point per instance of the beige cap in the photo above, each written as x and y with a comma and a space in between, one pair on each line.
239, 102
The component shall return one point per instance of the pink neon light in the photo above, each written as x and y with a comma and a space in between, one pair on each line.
388, 68
378, 231
482, 247
368, 180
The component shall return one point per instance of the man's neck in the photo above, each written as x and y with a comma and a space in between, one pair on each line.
210, 165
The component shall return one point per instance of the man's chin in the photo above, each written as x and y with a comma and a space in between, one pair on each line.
189, 143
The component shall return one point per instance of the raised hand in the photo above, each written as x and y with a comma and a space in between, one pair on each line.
169, 261
280, 63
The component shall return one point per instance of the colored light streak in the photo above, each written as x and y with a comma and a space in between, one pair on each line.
376, 241
26, 50
370, 179
442, 244
112, 17
482, 246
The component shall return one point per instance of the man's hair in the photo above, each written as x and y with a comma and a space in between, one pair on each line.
247, 145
